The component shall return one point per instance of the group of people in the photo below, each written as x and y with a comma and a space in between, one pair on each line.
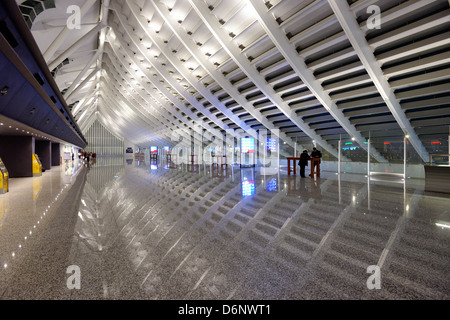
304, 158
87, 156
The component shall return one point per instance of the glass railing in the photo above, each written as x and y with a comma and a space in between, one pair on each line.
439, 159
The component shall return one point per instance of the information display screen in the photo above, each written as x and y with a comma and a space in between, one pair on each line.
272, 185
166, 149
248, 145
153, 149
248, 188
271, 144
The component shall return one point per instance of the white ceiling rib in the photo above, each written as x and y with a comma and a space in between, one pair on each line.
311, 70
359, 43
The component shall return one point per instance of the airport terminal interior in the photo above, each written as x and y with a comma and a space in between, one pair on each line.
224, 149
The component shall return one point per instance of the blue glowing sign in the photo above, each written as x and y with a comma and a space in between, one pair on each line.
272, 185
271, 144
350, 148
248, 188
247, 145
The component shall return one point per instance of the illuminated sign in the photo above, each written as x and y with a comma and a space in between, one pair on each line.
154, 167
248, 188
271, 144
272, 185
350, 148
166, 149
153, 149
247, 145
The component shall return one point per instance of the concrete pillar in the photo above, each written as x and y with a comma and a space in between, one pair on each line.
56, 154
44, 151
16, 153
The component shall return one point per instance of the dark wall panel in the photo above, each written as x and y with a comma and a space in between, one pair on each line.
44, 151
56, 155
16, 153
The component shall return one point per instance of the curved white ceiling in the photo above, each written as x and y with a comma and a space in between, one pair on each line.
315, 70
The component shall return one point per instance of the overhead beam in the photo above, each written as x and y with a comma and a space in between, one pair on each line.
136, 122
84, 82
359, 43
81, 74
298, 64
64, 34
189, 77
215, 75
158, 85
216, 29
159, 114
52, 65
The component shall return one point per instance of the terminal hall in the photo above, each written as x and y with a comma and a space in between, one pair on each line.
279, 150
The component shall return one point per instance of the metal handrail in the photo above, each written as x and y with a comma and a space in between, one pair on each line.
438, 154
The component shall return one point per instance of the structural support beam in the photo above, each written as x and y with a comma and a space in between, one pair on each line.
127, 126
213, 72
121, 103
85, 81
75, 46
356, 37
77, 80
298, 64
89, 94
116, 54
233, 51
64, 34
141, 99
189, 77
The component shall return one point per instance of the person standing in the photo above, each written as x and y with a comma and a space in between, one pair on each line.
316, 154
303, 162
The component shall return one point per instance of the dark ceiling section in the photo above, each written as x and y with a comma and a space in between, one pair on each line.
31, 8
30, 94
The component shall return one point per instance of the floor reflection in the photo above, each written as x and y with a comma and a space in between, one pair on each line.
188, 232
151, 230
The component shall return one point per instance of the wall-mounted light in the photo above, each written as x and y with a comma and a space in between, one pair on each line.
4, 90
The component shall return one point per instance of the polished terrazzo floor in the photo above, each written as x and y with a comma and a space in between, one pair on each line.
146, 231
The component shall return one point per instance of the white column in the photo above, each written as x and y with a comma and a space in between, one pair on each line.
404, 158
368, 158
339, 157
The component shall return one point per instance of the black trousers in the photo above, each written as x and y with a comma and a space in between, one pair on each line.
302, 170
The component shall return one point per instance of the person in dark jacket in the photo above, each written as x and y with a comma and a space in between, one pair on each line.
303, 162
315, 154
